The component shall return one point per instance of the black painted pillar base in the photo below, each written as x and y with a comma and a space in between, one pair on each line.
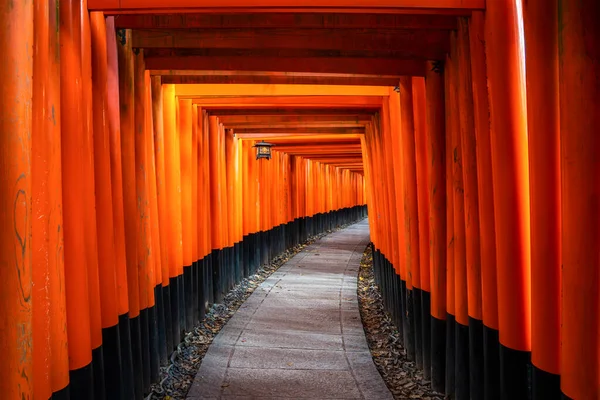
98, 371
161, 322
217, 262
426, 332
404, 320
111, 352
64, 394
491, 363
81, 382
237, 267
145, 335
201, 288
126, 358
257, 251
194, 299
182, 312
187, 298
136, 352
264, 248
409, 327
153, 328
418, 327
545, 385
246, 256
450, 354
175, 319
514, 373
476, 366
399, 308
209, 280
438, 354
461, 373
166, 298
225, 273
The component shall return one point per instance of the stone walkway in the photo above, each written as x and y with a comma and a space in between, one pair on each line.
299, 335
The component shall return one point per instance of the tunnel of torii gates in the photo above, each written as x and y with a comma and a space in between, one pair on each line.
132, 200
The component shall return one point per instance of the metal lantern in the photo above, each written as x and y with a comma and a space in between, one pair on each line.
263, 150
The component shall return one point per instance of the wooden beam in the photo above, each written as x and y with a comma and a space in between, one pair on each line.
285, 20
247, 120
336, 161
271, 77
196, 91
318, 140
260, 135
340, 157
313, 125
361, 102
360, 80
413, 43
174, 59
325, 151
280, 52
298, 130
427, 6
276, 111
316, 156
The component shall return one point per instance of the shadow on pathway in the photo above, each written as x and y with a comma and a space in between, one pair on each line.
299, 335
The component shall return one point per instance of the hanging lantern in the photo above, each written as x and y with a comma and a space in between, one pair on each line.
263, 150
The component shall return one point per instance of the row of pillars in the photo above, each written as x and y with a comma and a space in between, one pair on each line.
483, 194
125, 211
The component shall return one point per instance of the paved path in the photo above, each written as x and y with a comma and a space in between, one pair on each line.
299, 335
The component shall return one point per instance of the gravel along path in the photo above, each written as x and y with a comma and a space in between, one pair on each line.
401, 376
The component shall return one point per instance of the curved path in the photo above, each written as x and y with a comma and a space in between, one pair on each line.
299, 335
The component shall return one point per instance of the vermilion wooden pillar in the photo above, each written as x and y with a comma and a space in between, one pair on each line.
369, 189
16, 372
392, 284
195, 182
396, 143
229, 166
50, 350
472, 229
116, 170
436, 158
88, 197
579, 57
157, 316
510, 171
144, 260
104, 210
206, 207
216, 206
461, 331
185, 122
127, 126
489, 304
173, 201
387, 172
450, 243
202, 226
421, 159
77, 296
155, 322
411, 233
541, 41
162, 209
